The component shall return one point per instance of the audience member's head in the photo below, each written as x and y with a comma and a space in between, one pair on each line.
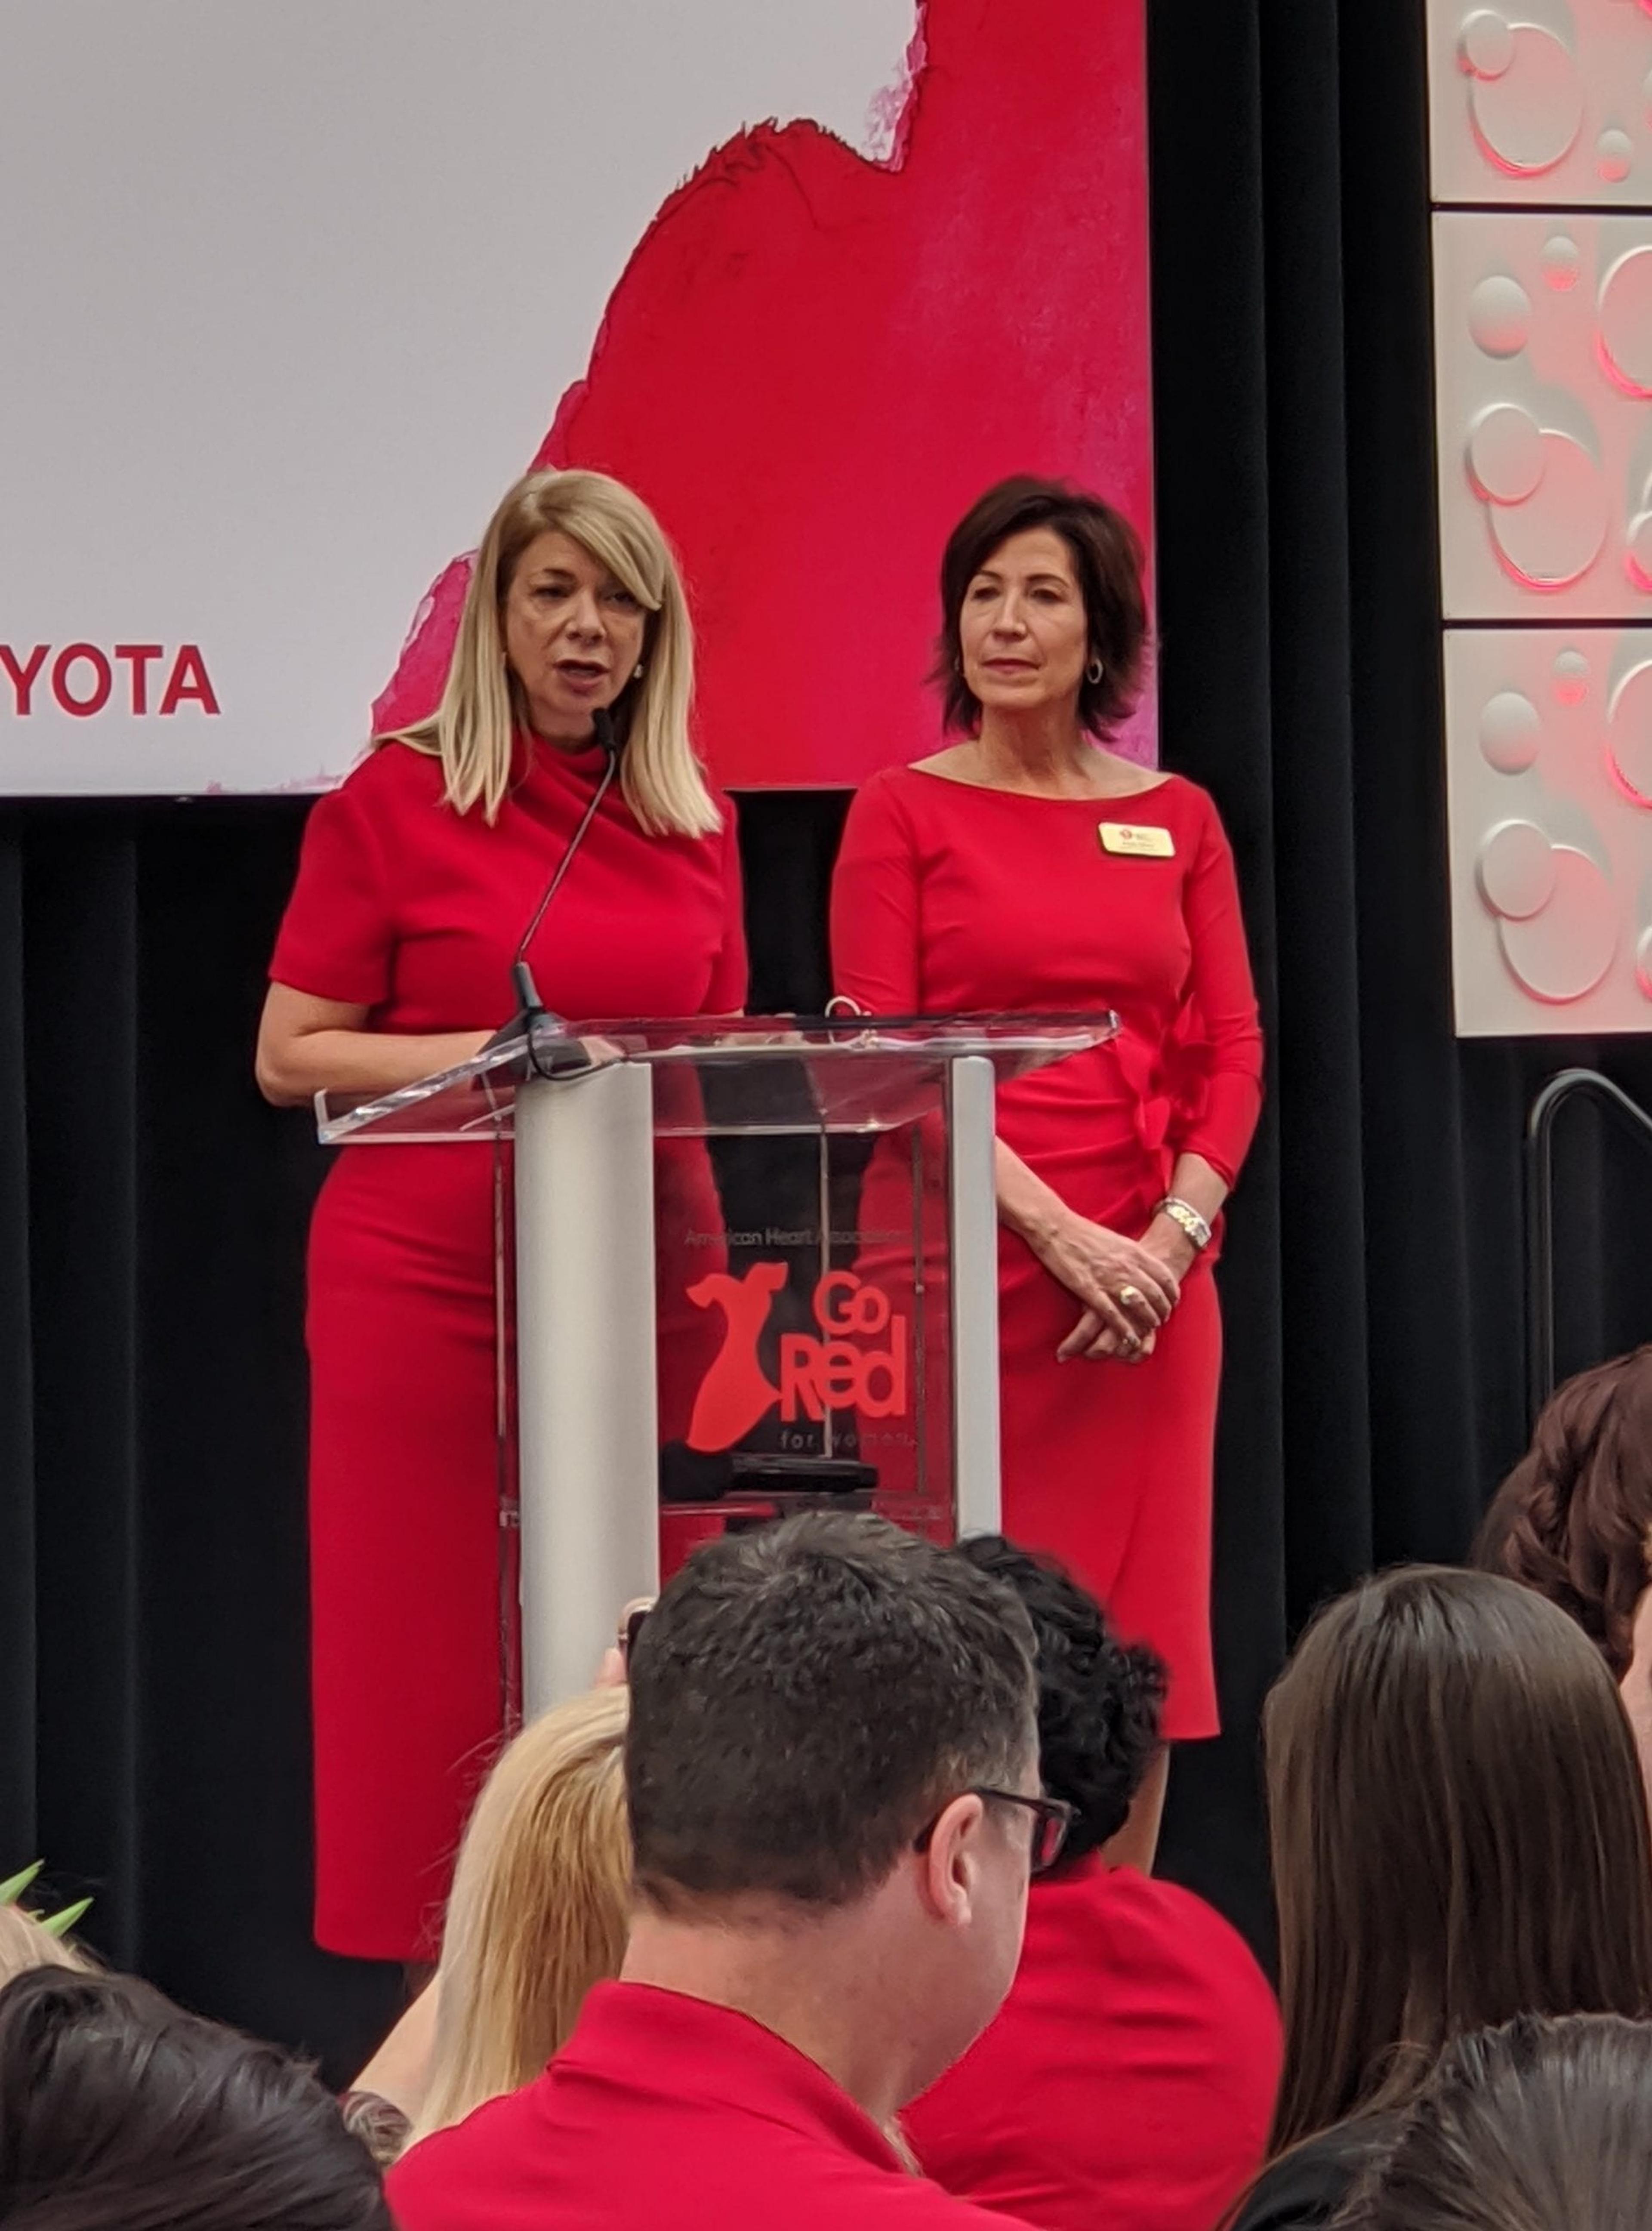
1098, 1699
1459, 1834
832, 1742
26, 1944
117, 2113
539, 1907
1541, 2126
1574, 1518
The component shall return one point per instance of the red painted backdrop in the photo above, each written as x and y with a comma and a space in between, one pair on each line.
813, 364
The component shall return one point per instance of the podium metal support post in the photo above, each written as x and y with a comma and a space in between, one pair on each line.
586, 1396
973, 1297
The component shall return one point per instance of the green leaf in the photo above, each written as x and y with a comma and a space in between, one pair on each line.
60, 1925
12, 1890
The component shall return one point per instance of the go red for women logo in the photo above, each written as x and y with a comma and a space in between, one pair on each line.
837, 1369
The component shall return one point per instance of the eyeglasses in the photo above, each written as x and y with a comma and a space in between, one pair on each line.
633, 1619
1052, 1818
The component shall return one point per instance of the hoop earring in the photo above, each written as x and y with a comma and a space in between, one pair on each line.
1094, 672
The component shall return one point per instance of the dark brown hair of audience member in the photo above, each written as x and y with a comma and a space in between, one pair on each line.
1107, 564
804, 1698
1098, 1699
1459, 1833
1541, 2126
118, 2112
1573, 1518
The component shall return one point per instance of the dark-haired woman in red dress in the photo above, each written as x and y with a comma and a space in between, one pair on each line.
419, 876
1027, 868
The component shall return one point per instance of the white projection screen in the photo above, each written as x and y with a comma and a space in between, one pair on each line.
292, 291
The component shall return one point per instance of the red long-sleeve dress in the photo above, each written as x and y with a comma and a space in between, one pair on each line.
413, 912
949, 897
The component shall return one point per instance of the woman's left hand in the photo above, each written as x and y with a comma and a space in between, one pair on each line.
1096, 1342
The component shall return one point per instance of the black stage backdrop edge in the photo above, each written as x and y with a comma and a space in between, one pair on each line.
153, 1714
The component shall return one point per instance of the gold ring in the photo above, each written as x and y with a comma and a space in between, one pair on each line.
1130, 1298
1131, 1343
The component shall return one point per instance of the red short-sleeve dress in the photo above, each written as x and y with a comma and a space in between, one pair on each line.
949, 897
413, 911
1128, 2078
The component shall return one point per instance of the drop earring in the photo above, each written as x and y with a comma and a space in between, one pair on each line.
636, 671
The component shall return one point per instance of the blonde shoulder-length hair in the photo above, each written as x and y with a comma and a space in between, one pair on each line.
26, 1944
473, 731
539, 1909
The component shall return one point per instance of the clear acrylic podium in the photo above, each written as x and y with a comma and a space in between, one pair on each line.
755, 1271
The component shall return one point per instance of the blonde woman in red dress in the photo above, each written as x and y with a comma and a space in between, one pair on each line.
419, 877
1027, 867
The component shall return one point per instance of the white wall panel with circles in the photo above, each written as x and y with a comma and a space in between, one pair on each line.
1543, 391
1541, 147
1549, 759
1541, 102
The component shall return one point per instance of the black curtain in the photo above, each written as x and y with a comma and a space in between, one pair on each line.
153, 1716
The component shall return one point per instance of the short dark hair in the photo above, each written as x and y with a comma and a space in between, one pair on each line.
119, 2112
804, 1698
1108, 564
1540, 2122
1098, 1699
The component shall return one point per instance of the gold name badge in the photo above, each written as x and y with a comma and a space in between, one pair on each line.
1138, 843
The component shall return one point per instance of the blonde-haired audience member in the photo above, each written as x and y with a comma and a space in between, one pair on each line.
539, 1912
26, 1944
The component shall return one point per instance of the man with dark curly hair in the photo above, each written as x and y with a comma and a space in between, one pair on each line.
1130, 2077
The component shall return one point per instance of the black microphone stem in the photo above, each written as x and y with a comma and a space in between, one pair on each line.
529, 1008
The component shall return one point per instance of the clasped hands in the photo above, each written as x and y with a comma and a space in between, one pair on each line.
1127, 1288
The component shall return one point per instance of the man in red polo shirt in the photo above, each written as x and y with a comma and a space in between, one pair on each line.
832, 1767
1129, 2080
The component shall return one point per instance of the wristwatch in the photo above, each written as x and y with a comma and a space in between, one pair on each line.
1183, 1213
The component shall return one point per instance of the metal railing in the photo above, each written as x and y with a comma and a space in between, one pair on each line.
1560, 1090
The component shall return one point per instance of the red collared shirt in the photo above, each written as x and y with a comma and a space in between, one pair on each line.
665, 2109
1129, 2078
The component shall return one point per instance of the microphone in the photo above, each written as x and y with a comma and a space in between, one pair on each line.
530, 1007
533, 1019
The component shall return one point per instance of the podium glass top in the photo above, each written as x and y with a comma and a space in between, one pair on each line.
758, 1074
